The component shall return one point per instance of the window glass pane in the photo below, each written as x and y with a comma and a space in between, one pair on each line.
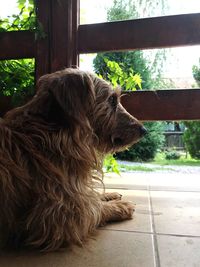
159, 68
111, 10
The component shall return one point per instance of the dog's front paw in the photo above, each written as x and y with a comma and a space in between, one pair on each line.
126, 209
120, 210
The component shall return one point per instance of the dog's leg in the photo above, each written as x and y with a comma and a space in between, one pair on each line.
110, 196
117, 210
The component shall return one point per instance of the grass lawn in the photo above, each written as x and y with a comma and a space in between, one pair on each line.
161, 163
183, 161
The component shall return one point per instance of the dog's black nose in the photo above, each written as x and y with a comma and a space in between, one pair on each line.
143, 131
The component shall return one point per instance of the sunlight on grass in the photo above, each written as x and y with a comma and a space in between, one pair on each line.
183, 161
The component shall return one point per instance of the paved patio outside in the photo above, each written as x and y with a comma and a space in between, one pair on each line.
165, 230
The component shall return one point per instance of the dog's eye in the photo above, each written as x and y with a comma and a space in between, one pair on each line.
113, 101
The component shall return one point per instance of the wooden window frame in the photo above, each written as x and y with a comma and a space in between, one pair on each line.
65, 39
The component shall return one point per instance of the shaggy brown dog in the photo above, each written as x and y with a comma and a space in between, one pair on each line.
51, 153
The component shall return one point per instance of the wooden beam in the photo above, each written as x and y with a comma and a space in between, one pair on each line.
61, 34
75, 25
163, 105
17, 44
42, 53
158, 32
147, 33
59, 20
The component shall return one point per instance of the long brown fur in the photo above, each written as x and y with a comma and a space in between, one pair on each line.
51, 152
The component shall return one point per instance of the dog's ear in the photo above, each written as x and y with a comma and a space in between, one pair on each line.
71, 95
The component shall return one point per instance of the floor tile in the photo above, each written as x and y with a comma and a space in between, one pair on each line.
110, 249
179, 251
176, 212
174, 182
142, 216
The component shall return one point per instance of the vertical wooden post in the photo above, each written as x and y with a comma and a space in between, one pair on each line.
75, 25
42, 47
58, 48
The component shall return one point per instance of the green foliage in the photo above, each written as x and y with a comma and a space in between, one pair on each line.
196, 73
172, 154
17, 76
191, 138
150, 71
118, 76
149, 145
131, 62
184, 160
25, 20
110, 164
122, 10
17, 79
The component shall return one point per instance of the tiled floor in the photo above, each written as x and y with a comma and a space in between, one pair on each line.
165, 230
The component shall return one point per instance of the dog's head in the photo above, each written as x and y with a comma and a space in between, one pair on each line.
114, 126
87, 107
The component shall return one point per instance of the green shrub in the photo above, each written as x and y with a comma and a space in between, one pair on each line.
196, 73
17, 76
131, 60
170, 155
149, 145
118, 76
110, 164
191, 138
17, 79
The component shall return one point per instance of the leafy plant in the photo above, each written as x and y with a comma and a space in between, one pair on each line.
24, 20
131, 63
17, 76
191, 138
170, 155
196, 73
110, 164
17, 79
119, 77
191, 135
148, 146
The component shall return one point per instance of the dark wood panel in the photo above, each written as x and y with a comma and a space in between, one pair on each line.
61, 34
75, 25
42, 54
59, 19
157, 32
17, 44
182, 104
153, 105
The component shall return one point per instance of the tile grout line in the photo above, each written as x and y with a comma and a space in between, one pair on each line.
147, 233
155, 240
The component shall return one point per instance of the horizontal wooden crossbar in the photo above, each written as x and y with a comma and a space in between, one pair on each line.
158, 32
17, 44
163, 105
148, 33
